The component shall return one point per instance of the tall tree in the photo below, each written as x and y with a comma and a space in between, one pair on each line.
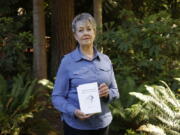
127, 4
40, 62
62, 37
97, 6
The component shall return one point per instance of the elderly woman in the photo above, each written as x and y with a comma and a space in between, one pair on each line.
84, 65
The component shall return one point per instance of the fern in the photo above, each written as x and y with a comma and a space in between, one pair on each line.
16, 103
163, 106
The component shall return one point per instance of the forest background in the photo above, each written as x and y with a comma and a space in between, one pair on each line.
140, 36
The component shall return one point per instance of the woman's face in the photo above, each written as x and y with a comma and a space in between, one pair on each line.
85, 33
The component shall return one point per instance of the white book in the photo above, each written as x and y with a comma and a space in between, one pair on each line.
88, 96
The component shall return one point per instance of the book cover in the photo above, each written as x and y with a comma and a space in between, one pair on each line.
88, 96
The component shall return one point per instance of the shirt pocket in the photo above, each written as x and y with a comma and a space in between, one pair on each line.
105, 68
79, 76
104, 73
80, 73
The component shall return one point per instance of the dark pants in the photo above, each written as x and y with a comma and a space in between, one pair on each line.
72, 131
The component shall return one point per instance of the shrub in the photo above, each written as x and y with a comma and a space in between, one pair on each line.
17, 103
158, 112
143, 52
162, 109
13, 46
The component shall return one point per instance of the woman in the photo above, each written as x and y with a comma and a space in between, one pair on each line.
84, 65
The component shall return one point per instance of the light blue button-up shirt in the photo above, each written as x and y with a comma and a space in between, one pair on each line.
75, 69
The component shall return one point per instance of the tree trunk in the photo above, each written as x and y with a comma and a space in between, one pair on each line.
97, 4
127, 4
40, 62
62, 37
174, 9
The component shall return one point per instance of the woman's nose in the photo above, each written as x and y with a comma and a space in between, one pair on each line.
86, 32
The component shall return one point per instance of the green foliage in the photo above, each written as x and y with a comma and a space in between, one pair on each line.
13, 47
126, 118
46, 83
132, 132
158, 114
141, 8
162, 108
142, 51
16, 103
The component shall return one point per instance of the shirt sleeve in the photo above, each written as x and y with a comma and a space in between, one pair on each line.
60, 91
113, 89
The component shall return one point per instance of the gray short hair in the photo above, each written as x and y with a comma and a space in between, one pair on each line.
83, 17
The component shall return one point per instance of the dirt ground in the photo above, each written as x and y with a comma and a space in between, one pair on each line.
46, 122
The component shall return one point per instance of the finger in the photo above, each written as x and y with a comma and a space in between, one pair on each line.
83, 117
91, 114
80, 115
102, 85
104, 93
104, 89
88, 115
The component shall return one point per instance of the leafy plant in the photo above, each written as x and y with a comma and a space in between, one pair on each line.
17, 103
162, 108
127, 118
132, 132
143, 51
158, 113
13, 48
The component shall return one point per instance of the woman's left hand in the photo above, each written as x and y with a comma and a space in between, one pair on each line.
80, 115
103, 90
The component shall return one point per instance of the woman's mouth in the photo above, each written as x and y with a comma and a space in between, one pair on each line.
86, 38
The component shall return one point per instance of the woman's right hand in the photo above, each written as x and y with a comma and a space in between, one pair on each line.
80, 115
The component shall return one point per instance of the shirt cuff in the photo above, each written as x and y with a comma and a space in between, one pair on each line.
111, 96
71, 110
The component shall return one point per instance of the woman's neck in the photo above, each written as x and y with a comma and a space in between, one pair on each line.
87, 51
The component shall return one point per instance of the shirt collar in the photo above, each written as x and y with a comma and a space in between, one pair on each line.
77, 54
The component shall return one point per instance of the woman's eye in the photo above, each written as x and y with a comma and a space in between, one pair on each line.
80, 30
